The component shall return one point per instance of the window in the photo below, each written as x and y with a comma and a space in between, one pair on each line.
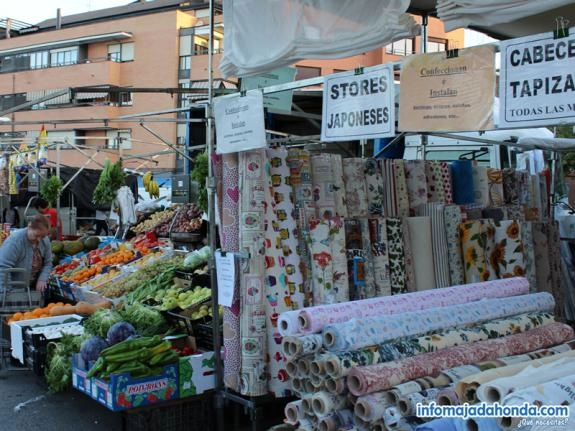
305, 72
63, 56
9, 101
123, 98
185, 62
436, 45
119, 139
401, 47
39, 60
121, 52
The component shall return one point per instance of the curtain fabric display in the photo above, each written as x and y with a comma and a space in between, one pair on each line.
356, 195
416, 183
440, 250
422, 249
453, 218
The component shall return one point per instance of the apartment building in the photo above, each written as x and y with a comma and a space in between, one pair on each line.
114, 82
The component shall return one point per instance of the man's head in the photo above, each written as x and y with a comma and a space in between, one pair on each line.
40, 204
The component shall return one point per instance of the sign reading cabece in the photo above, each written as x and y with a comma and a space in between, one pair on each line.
358, 105
537, 86
448, 94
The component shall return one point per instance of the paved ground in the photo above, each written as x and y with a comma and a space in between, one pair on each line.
26, 405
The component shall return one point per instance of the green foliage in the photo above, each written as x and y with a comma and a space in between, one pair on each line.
111, 179
199, 174
51, 189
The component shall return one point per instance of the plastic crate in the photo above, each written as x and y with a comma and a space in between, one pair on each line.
187, 414
200, 329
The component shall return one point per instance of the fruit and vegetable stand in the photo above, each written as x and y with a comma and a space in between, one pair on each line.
138, 305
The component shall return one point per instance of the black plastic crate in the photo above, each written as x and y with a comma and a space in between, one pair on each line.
204, 335
186, 414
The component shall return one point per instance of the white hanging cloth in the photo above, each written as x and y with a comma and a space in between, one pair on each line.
262, 35
126, 203
485, 13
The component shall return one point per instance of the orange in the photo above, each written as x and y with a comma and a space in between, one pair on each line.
17, 316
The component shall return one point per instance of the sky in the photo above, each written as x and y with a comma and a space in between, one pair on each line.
34, 11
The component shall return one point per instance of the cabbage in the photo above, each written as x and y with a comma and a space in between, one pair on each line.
91, 348
197, 257
101, 321
119, 332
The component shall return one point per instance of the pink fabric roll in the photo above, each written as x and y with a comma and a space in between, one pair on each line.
313, 319
374, 378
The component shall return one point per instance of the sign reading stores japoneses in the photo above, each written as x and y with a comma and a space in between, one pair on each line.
358, 106
537, 85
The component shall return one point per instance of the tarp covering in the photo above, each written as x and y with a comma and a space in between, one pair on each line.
463, 13
262, 35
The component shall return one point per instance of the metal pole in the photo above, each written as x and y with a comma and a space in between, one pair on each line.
58, 200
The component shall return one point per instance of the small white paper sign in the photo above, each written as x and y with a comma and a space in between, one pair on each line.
240, 124
226, 276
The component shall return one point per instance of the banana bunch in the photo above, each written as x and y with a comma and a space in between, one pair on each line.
151, 185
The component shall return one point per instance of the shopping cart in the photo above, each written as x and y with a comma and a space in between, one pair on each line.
16, 296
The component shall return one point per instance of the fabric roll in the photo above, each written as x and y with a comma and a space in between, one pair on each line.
481, 185
434, 179
253, 183
389, 198
416, 183
526, 230
229, 231
375, 330
407, 404
368, 289
305, 425
522, 178
422, 249
355, 259
396, 242
339, 259
497, 389
339, 195
447, 397
313, 319
453, 218
441, 424
293, 412
323, 186
557, 392
401, 189
287, 323
318, 362
293, 370
473, 212
537, 197
324, 403
474, 237
380, 255
542, 262
295, 347
506, 258
495, 177
409, 263
510, 186
299, 162
514, 212
557, 282
401, 390
371, 407
439, 242
496, 214
355, 187
462, 182
321, 262
374, 184
340, 419
447, 182
477, 424
374, 378
544, 186
336, 386
466, 387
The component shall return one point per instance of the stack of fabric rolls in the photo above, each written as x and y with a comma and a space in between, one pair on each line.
367, 364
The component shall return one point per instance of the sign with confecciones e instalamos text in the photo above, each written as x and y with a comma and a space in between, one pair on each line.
537, 84
448, 91
358, 105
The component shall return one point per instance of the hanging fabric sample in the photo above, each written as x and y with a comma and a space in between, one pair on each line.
374, 185
420, 232
434, 180
416, 183
396, 255
380, 253
390, 201
339, 194
495, 178
453, 218
284, 283
321, 262
339, 259
356, 260
299, 162
354, 177
526, 229
408, 258
323, 185
506, 257
474, 236
462, 180
439, 241
447, 182
401, 189
481, 185
510, 187
229, 231
253, 183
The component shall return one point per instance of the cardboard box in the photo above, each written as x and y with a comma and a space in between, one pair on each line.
17, 330
122, 392
198, 371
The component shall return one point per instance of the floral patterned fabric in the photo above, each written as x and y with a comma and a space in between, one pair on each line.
447, 183
396, 255
252, 204
314, 319
374, 184
526, 228
416, 183
474, 236
322, 177
401, 189
370, 331
510, 186
506, 258
389, 188
453, 218
379, 249
355, 187
495, 177
374, 378
339, 193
